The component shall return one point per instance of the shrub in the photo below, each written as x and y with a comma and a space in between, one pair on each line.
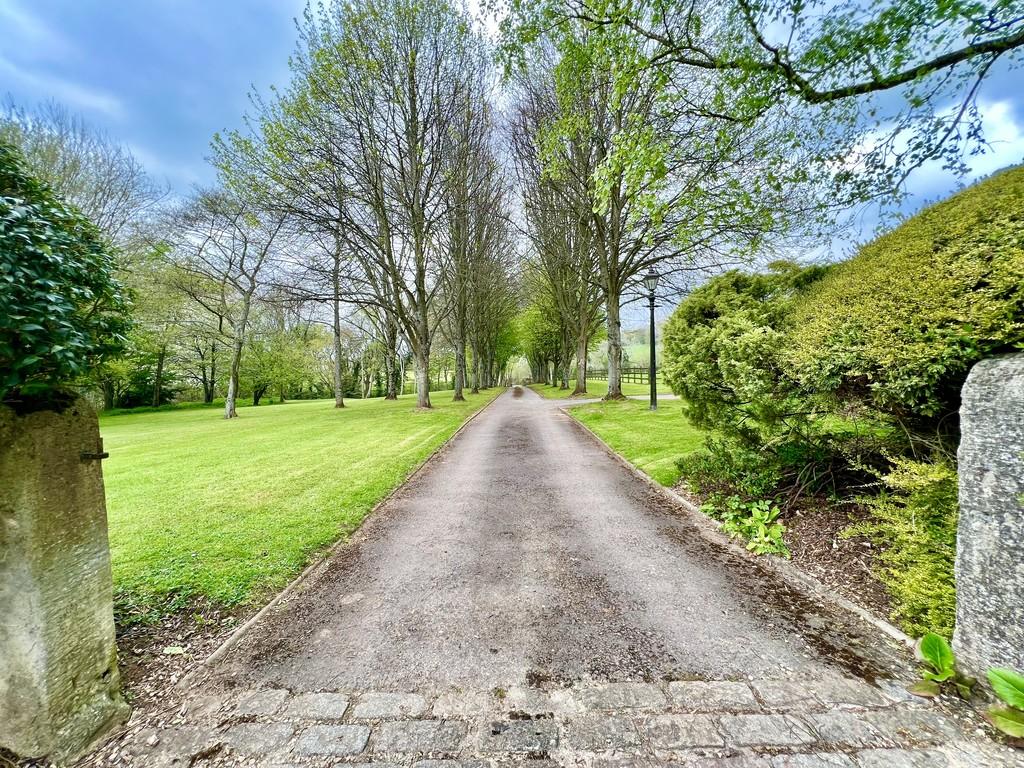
725, 469
914, 523
725, 352
62, 309
723, 349
813, 379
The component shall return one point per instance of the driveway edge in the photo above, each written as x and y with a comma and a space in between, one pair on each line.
314, 568
710, 530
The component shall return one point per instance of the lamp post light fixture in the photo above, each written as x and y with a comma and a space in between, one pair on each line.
651, 283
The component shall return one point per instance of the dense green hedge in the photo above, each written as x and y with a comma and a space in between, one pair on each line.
62, 309
901, 323
833, 381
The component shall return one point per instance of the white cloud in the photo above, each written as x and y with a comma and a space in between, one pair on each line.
43, 86
180, 176
28, 30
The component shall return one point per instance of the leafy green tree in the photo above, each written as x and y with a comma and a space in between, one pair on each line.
63, 310
539, 338
882, 86
662, 179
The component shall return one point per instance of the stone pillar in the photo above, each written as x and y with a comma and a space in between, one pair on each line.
59, 684
990, 535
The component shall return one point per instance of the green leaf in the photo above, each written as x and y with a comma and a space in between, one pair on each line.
926, 688
964, 686
1008, 685
1009, 721
936, 651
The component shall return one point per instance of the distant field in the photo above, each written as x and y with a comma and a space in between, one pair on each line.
650, 440
597, 388
227, 510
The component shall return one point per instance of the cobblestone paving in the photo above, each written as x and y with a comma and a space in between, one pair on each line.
837, 723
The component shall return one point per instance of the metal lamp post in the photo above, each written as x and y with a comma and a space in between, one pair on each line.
651, 283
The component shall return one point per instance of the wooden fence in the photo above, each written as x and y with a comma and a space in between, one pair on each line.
633, 375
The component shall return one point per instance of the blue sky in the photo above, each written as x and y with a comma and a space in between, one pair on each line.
160, 75
164, 75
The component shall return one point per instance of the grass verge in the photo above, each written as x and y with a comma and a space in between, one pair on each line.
200, 507
651, 440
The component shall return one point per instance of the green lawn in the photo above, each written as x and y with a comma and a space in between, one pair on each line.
598, 388
650, 440
227, 510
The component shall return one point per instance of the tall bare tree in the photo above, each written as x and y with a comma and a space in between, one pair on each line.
98, 175
557, 223
224, 249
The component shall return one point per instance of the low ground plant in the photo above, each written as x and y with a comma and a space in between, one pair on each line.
939, 669
1008, 685
755, 522
913, 521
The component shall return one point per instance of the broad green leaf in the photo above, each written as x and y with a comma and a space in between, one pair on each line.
1008, 685
936, 651
926, 688
1009, 721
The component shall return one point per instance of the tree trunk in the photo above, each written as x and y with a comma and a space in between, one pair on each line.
158, 380
257, 394
230, 412
391, 391
581, 366
488, 368
108, 394
476, 372
460, 371
389, 377
422, 378
210, 384
339, 395
564, 364
614, 348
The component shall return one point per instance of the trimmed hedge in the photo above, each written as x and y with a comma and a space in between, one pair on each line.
900, 324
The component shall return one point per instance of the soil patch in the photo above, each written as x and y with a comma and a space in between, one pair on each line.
845, 564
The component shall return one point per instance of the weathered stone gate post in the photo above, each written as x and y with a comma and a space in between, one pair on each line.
990, 536
59, 684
